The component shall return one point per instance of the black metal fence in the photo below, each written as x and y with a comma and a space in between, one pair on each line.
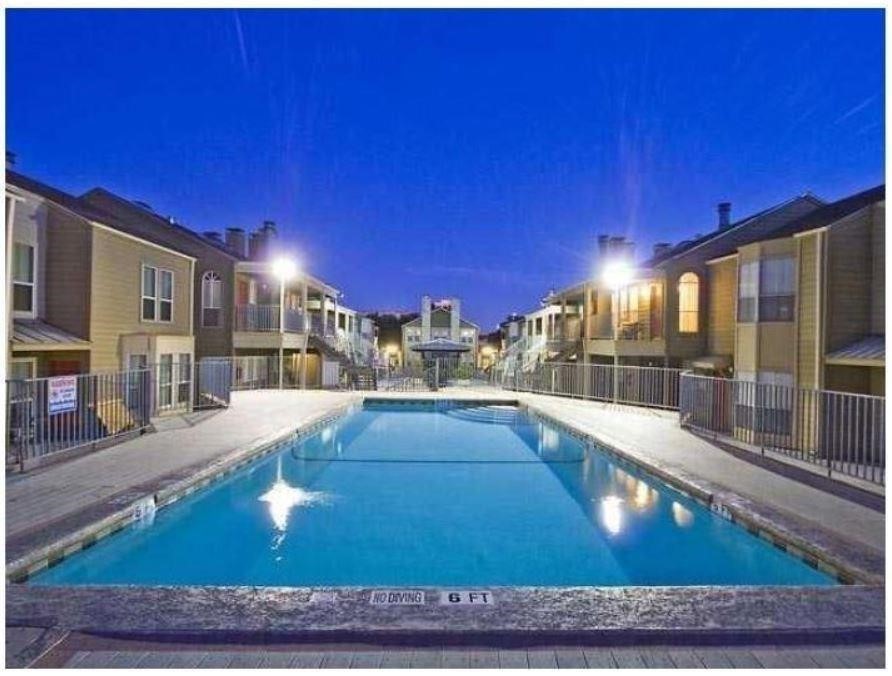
842, 432
46, 416
638, 385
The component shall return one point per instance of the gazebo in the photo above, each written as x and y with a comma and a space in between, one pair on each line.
446, 353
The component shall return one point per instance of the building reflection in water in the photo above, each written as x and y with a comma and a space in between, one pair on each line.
682, 515
612, 514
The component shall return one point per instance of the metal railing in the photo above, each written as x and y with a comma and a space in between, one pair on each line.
639, 385
431, 375
49, 415
266, 318
840, 431
46, 416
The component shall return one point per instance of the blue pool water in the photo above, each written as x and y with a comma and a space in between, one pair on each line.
429, 494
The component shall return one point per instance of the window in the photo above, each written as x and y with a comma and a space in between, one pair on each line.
688, 303
776, 290
165, 380
23, 279
748, 292
22, 369
184, 380
764, 401
211, 299
157, 294
538, 326
628, 304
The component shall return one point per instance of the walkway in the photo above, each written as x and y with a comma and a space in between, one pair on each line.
54, 492
769, 657
656, 435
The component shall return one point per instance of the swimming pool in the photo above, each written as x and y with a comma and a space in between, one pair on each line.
441, 494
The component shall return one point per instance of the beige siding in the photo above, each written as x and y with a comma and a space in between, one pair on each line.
745, 354
807, 313
67, 298
116, 294
849, 280
878, 284
721, 320
776, 347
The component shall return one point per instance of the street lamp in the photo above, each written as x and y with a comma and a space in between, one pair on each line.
617, 274
284, 269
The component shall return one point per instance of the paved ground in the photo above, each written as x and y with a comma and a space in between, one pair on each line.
53, 492
564, 658
656, 434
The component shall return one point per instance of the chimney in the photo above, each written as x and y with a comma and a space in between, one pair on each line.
254, 247
661, 248
269, 229
235, 241
214, 236
454, 319
425, 318
724, 215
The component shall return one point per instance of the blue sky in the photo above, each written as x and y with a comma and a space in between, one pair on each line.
469, 153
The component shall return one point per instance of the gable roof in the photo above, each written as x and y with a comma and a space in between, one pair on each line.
141, 221
750, 228
830, 213
440, 319
63, 199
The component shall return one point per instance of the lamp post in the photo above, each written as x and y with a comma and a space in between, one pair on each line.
284, 269
617, 274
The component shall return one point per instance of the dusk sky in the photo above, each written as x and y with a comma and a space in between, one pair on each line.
468, 153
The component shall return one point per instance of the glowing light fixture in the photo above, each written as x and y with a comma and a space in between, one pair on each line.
617, 274
284, 268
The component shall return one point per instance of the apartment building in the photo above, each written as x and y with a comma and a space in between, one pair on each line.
88, 296
804, 305
213, 284
657, 316
439, 331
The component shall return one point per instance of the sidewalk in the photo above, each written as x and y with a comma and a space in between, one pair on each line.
656, 434
48, 494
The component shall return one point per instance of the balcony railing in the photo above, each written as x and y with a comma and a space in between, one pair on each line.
266, 318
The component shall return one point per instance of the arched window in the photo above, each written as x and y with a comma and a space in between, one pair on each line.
688, 303
211, 299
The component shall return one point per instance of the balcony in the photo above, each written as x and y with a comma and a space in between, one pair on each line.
265, 318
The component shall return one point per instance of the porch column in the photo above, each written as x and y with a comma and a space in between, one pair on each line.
564, 319
304, 301
586, 331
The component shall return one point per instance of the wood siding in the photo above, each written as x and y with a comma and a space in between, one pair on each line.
67, 279
116, 294
849, 279
720, 317
807, 313
878, 283
211, 341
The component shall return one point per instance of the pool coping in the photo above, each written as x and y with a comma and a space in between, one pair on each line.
860, 571
519, 615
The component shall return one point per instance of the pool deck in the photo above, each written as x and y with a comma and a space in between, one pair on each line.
53, 503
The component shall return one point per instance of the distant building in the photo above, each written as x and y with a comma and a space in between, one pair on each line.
439, 331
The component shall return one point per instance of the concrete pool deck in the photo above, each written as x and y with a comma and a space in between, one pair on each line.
51, 503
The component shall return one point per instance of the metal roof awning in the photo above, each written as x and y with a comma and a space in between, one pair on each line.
441, 345
868, 351
715, 362
36, 334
